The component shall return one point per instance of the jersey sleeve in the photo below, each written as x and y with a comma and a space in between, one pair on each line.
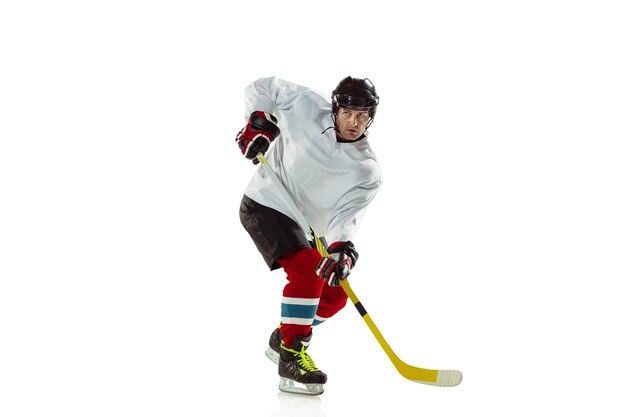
351, 209
270, 95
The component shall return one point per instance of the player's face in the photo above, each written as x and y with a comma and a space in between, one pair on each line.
351, 123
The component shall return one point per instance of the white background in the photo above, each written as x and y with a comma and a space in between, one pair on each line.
496, 245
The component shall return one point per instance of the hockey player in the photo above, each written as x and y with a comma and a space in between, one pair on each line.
324, 159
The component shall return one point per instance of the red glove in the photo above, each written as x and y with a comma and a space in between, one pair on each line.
338, 266
256, 137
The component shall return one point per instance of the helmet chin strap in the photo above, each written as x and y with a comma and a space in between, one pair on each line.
334, 126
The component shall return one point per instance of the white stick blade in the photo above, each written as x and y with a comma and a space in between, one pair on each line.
448, 378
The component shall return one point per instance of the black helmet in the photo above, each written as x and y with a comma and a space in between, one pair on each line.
355, 94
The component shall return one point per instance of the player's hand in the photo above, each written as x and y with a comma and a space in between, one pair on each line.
257, 135
339, 264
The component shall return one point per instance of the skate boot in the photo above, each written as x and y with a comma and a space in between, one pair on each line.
273, 352
298, 373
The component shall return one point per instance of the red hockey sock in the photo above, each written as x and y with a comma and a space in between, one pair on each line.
301, 294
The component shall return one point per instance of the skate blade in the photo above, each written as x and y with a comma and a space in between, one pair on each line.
293, 387
273, 355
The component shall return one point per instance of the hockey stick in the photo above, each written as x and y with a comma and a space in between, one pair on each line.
441, 378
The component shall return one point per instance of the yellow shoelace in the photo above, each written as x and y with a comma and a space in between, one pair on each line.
304, 360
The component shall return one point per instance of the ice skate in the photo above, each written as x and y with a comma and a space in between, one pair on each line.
298, 373
273, 352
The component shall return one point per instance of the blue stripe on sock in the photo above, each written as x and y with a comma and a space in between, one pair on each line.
298, 311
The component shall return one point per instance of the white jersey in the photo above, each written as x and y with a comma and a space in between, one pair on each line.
331, 182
